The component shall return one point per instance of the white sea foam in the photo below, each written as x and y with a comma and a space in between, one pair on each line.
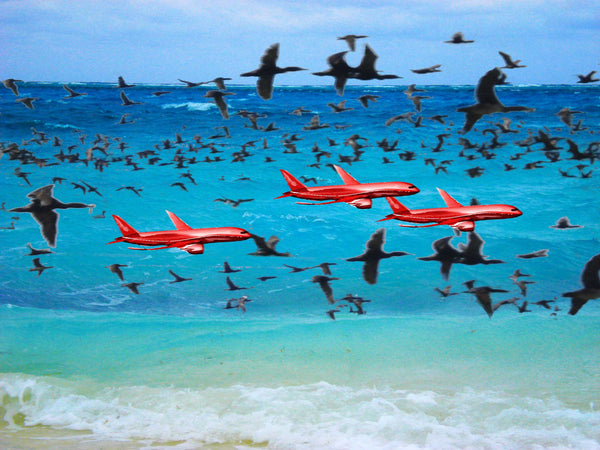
190, 106
320, 415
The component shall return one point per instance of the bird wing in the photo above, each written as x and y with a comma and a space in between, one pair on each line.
230, 283
507, 59
589, 275
370, 271
367, 64
269, 58
474, 245
376, 240
485, 91
222, 106
484, 299
264, 86
272, 242
576, 304
48, 221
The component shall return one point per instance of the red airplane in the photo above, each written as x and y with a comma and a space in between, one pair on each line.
352, 192
459, 217
184, 237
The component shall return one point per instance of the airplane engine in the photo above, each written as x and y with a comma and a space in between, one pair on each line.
467, 225
361, 203
194, 249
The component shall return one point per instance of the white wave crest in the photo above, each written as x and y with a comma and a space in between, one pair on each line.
190, 106
319, 415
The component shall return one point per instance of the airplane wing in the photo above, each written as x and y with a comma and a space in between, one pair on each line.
451, 221
181, 243
364, 201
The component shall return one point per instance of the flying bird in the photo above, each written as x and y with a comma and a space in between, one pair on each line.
482, 294
510, 64
373, 254
238, 303
42, 208
122, 84
323, 282
227, 268
219, 82
27, 101
537, 254
126, 101
116, 269
266, 248
37, 251
564, 223
425, 70
339, 70
487, 100
217, 97
72, 93
267, 70
11, 83
591, 285
38, 267
231, 286
366, 69
445, 254
177, 279
133, 287
351, 40
589, 78
458, 38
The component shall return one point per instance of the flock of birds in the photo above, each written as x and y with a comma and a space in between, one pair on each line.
43, 204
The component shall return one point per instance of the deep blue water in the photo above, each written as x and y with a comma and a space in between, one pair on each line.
81, 352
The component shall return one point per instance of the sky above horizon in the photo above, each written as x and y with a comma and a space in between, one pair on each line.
161, 41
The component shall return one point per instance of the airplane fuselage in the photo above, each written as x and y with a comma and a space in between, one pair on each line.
458, 214
362, 190
198, 236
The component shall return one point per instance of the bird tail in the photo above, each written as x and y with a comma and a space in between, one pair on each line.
294, 184
126, 229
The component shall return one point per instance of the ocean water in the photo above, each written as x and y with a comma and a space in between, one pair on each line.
87, 363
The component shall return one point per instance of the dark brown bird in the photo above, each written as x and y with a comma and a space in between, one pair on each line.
487, 100
591, 285
458, 38
217, 97
323, 282
42, 208
38, 267
373, 254
267, 70
116, 269
351, 40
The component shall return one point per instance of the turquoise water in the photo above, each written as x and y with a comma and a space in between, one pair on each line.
85, 360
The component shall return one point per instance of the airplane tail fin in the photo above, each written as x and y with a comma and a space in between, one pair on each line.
293, 183
126, 229
397, 208
179, 224
450, 202
345, 176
